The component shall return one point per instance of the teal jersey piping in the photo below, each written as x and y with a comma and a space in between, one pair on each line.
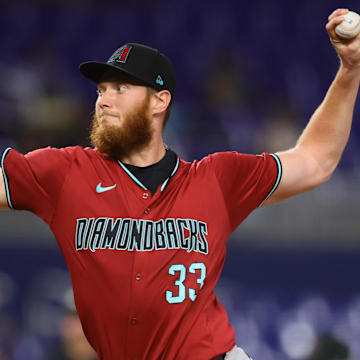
163, 186
277, 182
7, 191
139, 183
134, 178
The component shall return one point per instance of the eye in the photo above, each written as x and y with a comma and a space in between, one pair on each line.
121, 87
99, 91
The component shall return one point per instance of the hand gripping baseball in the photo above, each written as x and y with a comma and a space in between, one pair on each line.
348, 49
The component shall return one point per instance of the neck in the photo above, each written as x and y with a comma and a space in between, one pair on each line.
151, 154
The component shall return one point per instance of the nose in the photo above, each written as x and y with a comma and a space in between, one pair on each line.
104, 101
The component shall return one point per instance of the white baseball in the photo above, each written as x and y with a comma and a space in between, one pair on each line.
350, 27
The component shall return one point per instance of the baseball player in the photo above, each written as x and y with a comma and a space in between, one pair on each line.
142, 231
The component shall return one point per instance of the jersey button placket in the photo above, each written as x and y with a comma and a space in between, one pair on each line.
146, 196
135, 314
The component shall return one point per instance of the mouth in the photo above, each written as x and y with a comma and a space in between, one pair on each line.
107, 118
106, 114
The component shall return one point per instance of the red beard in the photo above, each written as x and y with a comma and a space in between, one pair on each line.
119, 141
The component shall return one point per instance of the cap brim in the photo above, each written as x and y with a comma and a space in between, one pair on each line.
94, 71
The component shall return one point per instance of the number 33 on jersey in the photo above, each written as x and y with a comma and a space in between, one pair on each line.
183, 292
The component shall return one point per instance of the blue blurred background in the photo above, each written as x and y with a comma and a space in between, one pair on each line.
250, 74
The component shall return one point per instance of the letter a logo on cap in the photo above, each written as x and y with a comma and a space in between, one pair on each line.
159, 80
121, 54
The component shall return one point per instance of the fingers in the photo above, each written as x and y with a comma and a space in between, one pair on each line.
331, 25
337, 12
335, 19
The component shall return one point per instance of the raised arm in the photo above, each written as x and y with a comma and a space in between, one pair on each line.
318, 150
3, 201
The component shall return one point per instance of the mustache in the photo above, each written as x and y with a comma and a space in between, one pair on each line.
107, 113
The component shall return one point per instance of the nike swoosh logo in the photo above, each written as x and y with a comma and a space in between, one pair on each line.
100, 189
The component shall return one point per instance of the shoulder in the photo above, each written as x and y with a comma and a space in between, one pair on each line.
69, 153
50, 158
211, 163
219, 159
233, 164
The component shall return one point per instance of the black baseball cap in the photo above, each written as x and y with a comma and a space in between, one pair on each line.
142, 62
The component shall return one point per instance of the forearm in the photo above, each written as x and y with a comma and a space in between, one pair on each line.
327, 132
318, 151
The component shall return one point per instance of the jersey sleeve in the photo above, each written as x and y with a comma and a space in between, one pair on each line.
33, 181
246, 181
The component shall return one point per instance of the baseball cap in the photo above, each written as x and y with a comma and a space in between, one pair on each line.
142, 62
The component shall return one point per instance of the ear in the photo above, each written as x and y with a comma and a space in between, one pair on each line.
160, 102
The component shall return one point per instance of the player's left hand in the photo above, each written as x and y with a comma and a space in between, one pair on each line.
347, 49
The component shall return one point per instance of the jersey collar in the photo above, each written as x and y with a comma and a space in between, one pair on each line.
139, 183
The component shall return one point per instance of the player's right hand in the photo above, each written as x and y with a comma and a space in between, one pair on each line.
347, 49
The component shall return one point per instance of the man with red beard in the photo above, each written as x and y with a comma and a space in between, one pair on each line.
126, 128
144, 232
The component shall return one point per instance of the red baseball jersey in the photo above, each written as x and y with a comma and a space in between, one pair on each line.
143, 267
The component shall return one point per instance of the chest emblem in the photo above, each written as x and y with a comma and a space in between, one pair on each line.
100, 189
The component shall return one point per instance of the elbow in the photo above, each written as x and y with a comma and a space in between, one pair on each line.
327, 177
325, 174
323, 167
329, 167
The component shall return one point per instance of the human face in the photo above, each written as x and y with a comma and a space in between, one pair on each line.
118, 132
116, 99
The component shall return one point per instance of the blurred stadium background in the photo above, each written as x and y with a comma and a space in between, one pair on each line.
250, 74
